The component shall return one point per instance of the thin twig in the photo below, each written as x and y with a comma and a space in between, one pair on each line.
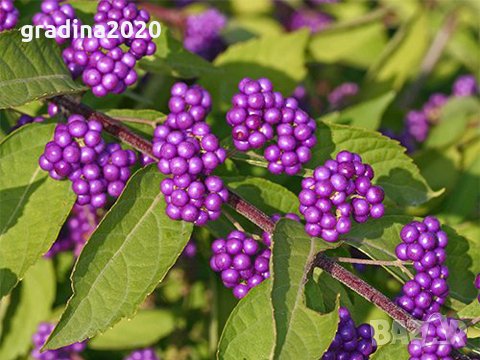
396, 263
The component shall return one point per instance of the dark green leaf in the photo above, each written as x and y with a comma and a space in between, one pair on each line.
127, 256
33, 206
31, 70
300, 331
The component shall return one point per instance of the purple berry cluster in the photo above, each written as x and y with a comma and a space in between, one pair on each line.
189, 152
424, 243
439, 338
266, 237
202, 34
260, 115
313, 20
339, 96
477, 285
53, 13
143, 354
8, 15
65, 353
339, 189
241, 261
351, 342
102, 62
81, 223
79, 153
418, 122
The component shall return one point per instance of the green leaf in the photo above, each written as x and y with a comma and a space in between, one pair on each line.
391, 352
471, 311
34, 206
30, 304
172, 58
394, 170
126, 257
367, 114
454, 118
248, 27
145, 329
31, 70
356, 42
378, 238
300, 331
265, 194
249, 331
403, 54
281, 58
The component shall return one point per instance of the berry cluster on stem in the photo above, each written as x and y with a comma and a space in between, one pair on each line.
339, 190
260, 115
351, 342
8, 15
189, 152
424, 243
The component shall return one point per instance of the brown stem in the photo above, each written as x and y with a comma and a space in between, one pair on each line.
253, 214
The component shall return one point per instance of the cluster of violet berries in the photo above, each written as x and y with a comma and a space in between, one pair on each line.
65, 353
103, 64
339, 190
241, 261
202, 34
142, 354
189, 152
81, 223
8, 15
260, 115
351, 342
424, 243
418, 122
79, 153
53, 13
440, 336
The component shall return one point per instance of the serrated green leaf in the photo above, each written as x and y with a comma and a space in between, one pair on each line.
378, 238
145, 329
281, 58
31, 70
300, 331
249, 331
31, 304
403, 54
394, 170
391, 352
172, 58
126, 257
367, 114
265, 194
356, 42
33, 206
